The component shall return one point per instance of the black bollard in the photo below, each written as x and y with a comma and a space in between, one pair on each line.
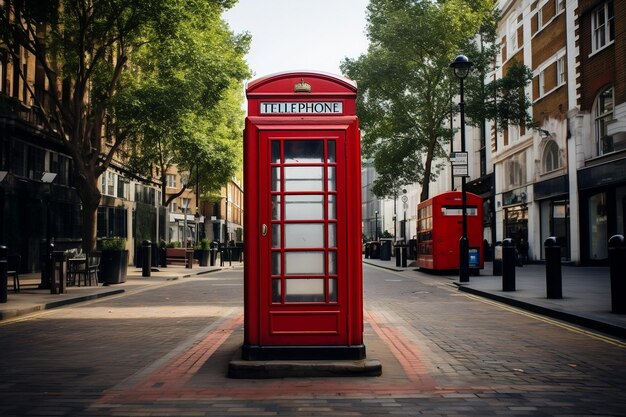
508, 265
403, 252
3, 274
553, 268
617, 270
146, 258
398, 255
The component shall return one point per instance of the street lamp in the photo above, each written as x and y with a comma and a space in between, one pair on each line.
462, 66
376, 226
196, 218
47, 178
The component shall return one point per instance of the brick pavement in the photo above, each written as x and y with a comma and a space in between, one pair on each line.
443, 353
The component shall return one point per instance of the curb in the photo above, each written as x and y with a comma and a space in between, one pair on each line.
9, 314
556, 314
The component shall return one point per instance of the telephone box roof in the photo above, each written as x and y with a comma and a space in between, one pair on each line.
320, 81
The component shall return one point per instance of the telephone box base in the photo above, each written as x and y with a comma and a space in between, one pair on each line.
268, 353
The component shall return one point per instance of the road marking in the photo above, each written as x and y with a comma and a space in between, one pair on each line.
572, 328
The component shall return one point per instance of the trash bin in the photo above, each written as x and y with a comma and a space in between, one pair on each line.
374, 250
385, 250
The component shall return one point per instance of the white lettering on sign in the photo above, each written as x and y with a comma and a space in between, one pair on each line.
306, 107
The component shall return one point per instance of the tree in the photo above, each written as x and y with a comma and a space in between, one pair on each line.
83, 50
185, 103
405, 90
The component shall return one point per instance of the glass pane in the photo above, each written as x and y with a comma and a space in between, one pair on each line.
331, 179
304, 179
304, 207
307, 235
276, 291
276, 207
300, 263
276, 179
276, 267
332, 208
598, 227
332, 290
332, 263
275, 152
332, 235
298, 151
331, 151
276, 236
304, 290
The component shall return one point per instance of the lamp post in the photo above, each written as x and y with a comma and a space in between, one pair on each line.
376, 226
196, 218
47, 178
462, 66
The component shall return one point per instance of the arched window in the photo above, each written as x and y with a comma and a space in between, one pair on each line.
551, 159
603, 112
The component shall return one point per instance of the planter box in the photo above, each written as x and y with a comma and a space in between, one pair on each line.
113, 266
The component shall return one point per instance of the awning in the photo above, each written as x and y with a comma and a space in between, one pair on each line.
176, 217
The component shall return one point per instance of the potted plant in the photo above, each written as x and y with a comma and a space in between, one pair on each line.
202, 252
114, 261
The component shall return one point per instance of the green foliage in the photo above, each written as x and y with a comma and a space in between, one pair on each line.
506, 102
184, 99
204, 244
113, 244
137, 70
174, 245
406, 85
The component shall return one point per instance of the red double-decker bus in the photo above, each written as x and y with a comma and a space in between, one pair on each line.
440, 227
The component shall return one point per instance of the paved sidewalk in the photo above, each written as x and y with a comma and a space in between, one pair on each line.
32, 299
586, 293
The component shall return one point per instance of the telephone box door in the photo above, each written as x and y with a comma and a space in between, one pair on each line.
303, 283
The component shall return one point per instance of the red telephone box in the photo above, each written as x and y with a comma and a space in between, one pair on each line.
302, 181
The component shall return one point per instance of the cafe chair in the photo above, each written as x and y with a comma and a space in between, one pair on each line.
13, 266
93, 267
75, 269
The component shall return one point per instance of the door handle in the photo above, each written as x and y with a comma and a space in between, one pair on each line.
263, 229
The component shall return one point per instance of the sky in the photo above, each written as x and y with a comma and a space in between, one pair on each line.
300, 34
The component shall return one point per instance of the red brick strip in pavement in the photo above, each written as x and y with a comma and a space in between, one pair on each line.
171, 380
405, 352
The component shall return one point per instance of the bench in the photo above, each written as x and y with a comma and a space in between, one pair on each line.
179, 255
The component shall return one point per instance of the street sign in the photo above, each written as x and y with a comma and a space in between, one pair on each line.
458, 158
460, 171
405, 199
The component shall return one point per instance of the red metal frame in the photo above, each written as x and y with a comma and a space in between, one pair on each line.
439, 229
271, 321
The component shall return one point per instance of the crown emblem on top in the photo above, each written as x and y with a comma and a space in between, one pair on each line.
302, 87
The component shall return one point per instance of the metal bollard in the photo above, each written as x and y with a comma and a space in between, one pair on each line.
403, 252
146, 258
553, 268
617, 270
497, 259
398, 256
508, 265
3, 274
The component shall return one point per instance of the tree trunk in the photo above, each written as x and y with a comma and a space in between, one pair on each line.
89, 230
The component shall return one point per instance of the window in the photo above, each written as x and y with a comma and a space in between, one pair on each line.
114, 185
512, 34
602, 29
560, 70
514, 170
603, 115
559, 6
539, 19
171, 181
551, 160
542, 83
